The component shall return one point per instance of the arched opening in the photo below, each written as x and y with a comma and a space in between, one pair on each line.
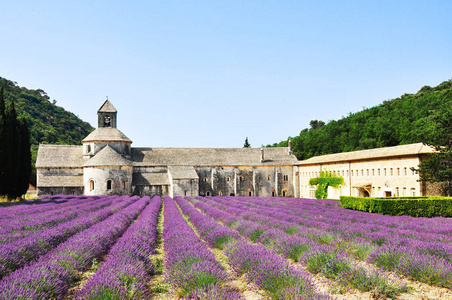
125, 184
250, 193
108, 184
207, 193
220, 193
269, 177
284, 193
204, 179
185, 193
228, 178
273, 193
91, 185
107, 121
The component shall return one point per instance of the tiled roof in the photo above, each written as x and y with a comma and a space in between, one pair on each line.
107, 157
183, 172
211, 156
378, 153
150, 179
108, 134
107, 107
59, 156
60, 180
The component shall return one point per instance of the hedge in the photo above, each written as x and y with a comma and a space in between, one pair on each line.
398, 206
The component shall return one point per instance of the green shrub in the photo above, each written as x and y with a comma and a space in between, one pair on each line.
398, 206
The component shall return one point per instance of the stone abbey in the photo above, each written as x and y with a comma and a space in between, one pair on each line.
107, 164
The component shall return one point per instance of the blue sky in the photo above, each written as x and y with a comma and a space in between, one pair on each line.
210, 73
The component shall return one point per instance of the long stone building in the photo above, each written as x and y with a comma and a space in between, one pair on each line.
107, 164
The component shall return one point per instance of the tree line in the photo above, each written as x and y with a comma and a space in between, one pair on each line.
15, 154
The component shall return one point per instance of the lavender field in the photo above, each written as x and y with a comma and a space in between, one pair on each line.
120, 247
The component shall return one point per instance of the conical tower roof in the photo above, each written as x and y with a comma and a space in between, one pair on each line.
107, 157
107, 107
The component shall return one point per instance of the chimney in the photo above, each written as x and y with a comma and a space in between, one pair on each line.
290, 146
262, 154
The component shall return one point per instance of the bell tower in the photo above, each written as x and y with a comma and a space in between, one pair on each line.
106, 115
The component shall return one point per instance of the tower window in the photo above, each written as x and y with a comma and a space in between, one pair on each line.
88, 148
207, 193
109, 184
91, 185
228, 178
205, 179
273, 193
107, 121
286, 177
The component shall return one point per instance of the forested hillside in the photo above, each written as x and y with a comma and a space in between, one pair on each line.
398, 121
47, 122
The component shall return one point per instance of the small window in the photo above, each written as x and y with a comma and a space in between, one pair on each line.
242, 178
250, 193
269, 177
392, 172
413, 192
357, 173
378, 172
108, 184
284, 193
352, 172
125, 184
273, 193
88, 148
220, 193
373, 172
185, 193
205, 179
362, 172
384, 171
228, 178
286, 177
406, 171
368, 172
207, 193
397, 191
398, 171
91, 185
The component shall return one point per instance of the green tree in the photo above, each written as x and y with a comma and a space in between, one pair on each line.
15, 155
247, 144
438, 166
325, 180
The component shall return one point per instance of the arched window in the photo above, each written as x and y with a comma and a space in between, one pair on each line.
108, 184
207, 193
269, 177
220, 193
250, 193
205, 179
284, 193
107, 121
273, 193
91, 185
228, 178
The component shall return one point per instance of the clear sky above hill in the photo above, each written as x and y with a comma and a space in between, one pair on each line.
210, 73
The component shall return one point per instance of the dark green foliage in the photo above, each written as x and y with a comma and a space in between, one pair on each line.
438, 166
47, 123
395, 122
15, 164
247, 144
325, 180
398, 206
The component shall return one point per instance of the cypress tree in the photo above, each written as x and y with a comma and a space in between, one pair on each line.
12, 146
3, 148
25, 159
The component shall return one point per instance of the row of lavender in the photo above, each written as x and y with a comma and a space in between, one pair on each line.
417, 247
266, 269
51, 275
361, 235
318, 259
16, 252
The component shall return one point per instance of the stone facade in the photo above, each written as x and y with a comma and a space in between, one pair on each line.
106, 164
